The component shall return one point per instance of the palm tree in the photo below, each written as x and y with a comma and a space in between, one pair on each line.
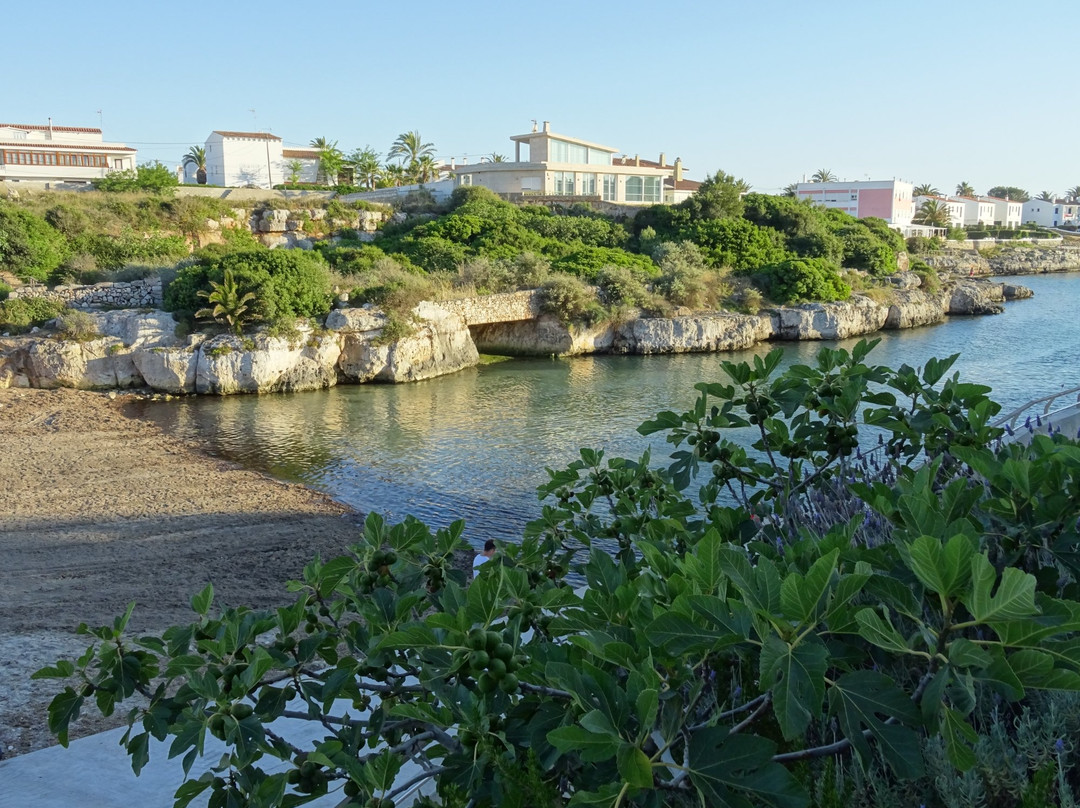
425, 169
493, 158
933, 214
393, 175
196, 156
1045, 196
823, 175
229, 305
743, 186
791, 189
1074, 193
365, 163
965, 189
926, 189
330, 161
410, 147
295, 168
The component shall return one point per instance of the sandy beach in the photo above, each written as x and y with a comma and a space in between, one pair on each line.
98, 509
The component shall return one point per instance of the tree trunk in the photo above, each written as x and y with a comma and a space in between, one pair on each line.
200, 176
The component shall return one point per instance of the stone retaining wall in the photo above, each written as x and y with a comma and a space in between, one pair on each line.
503, 308
118, 295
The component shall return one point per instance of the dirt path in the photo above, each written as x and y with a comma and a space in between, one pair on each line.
98, 509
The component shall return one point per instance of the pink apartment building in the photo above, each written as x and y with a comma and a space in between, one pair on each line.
890, 200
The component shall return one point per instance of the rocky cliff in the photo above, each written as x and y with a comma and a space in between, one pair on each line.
1006, 260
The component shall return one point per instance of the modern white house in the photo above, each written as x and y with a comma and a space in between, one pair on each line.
548, 164
1007, 212
891, 200
1051, 214
65, 154
252, 159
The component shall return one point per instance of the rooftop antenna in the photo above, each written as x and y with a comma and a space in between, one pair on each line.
99, 119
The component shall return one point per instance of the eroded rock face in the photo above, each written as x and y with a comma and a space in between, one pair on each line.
168, 370
976, 297
1014, 291
915, 308
839, 320
137, 328
440, 344
100, 364
696, 333
544, 336
228, 364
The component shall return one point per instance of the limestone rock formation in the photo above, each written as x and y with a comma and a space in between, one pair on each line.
544, 336
99, 364
695, 333
839, 320
913, 308
227, 365
976, 297
440, 344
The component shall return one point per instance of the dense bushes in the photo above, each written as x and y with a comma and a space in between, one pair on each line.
18, 315
286, 283
29, 248
800, 280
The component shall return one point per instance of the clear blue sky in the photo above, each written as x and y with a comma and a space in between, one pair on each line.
767, 90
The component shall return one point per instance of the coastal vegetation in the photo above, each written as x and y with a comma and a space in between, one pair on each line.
874, 604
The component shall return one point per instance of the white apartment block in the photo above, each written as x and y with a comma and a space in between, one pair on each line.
953, 206
66, 154
251, 159
1051, 214
976, 211
1007, 213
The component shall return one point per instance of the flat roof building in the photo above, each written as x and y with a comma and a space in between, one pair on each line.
68, 154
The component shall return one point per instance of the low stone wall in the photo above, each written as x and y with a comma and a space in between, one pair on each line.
503, 308
118, 295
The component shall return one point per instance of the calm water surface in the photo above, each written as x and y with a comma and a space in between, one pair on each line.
475, 444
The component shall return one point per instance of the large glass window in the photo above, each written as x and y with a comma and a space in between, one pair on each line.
652, 189
578, 153
634, 187
611, 188
558, 151
588, 185
564, 183
599, 158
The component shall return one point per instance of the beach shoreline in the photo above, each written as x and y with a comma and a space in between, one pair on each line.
99, 509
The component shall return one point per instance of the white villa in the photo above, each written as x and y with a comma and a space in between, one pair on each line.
547, 164
1007, 212
251, 159
1051, 214
954, 206
67, 154
976, 211
890, 200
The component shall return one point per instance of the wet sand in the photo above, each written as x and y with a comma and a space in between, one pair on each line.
98, 509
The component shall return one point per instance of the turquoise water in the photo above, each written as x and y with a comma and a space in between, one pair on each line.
475, 444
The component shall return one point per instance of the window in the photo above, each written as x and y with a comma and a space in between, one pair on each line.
652, 189
634, 187
599, 158
564, 183
611, 188
588, 185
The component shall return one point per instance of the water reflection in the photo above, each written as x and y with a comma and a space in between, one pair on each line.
475, 445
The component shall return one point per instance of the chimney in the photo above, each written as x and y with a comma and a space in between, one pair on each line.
547, 126
678, 169
663, 160
637, 160
50, 127
452, 165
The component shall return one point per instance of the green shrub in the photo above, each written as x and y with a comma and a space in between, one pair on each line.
29, 248
433, 253
398, 327
800, 280
153, 177
922, 244
394, 289
19, 315
686, 279
286, 283
487, 277
529, 270
76, 325
68, 219
621, 286
956, 234
586, 262
929, 280
5, 290
736, 243
570, 299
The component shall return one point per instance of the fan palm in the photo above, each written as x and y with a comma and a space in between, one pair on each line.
230, 306
791, 189
933, 214
196, 156
1074, 193
823, 175
494, 157
393, 175
965, 189
926, 189
365, 163
1045, 196
425, 169
330, 160
410, 147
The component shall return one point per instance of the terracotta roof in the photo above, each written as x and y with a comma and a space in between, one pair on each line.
29, 144
302, 154
45, 128
257, 135
681, 185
